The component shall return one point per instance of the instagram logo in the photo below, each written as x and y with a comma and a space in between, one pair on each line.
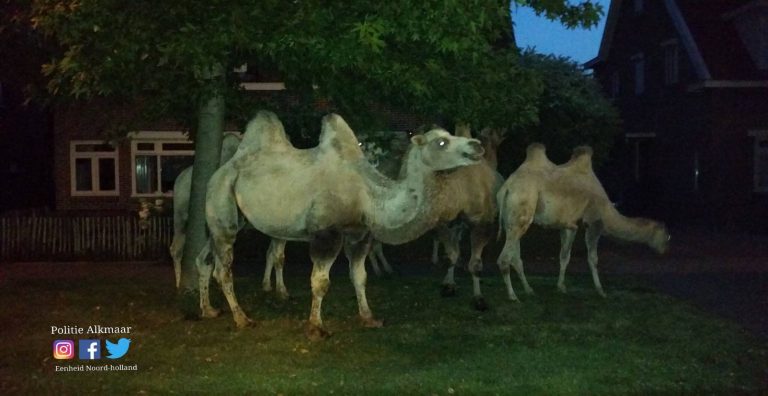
63, 349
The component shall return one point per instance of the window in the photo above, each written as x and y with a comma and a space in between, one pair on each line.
638, 65
93, 168
615, 84
640, 144
156, 159
671, 62
760, 160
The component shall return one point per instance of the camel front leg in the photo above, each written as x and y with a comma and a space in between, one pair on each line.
323, 250
451, 245
378, 250
356, 252
567, 235
480, 235
374, 260
204, 270
276, 260
435, 250
223, 256
592, 236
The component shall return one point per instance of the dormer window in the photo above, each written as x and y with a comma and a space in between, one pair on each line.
671, 62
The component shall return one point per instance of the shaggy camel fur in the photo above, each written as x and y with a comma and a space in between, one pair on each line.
473, 192
558, 197
329, 196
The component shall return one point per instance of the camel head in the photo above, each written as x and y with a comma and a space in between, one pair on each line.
660, 238
442, 151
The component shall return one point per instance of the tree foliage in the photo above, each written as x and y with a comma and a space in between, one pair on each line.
435, 57
571, 111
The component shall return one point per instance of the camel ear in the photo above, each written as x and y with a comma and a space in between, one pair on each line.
418, 140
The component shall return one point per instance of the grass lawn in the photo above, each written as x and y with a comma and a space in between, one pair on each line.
635, 342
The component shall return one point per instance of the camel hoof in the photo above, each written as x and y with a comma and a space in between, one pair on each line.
317, 333
480, 304
209, 313
602, 294
266, 288
244, 322
372, 323
448, 291
283, 295
562, 289
530, 292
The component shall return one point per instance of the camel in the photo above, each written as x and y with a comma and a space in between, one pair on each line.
329, 196
558, 196
181, 189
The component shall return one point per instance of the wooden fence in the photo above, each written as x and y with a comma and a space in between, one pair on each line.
107, 238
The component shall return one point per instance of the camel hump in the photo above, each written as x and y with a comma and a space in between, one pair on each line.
581, 159
265, 130
336, 136
536, 155
463, 130
229, 145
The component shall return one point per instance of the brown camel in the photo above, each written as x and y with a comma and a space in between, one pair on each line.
329, 196
558, 197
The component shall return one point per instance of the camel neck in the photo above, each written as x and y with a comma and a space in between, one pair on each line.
401, 210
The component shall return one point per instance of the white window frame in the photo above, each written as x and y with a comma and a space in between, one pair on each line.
94, 156
671, 64
638, 68
760, 136
158, 138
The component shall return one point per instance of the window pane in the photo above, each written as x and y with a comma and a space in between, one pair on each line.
170, 167
179, 146
146, 174
83, 173
106, 174
93, 148
145, 146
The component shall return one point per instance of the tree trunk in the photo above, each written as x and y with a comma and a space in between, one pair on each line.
207, 152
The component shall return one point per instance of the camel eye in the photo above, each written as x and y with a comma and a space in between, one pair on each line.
442, 143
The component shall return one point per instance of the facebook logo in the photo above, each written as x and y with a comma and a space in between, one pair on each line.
89, 350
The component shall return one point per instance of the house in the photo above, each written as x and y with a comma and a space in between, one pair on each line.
690, 79
96, 173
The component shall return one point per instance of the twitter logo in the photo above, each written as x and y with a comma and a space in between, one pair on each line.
119, 349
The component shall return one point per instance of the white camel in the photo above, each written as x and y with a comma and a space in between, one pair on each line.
182, 187
329, 196
559, 197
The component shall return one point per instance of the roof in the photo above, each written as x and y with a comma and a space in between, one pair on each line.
708, 35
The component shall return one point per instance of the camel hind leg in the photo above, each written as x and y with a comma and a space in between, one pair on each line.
592, 236
567, 235
480, 236
510, 255
323, 250
204, 264
276, 260
356, 252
